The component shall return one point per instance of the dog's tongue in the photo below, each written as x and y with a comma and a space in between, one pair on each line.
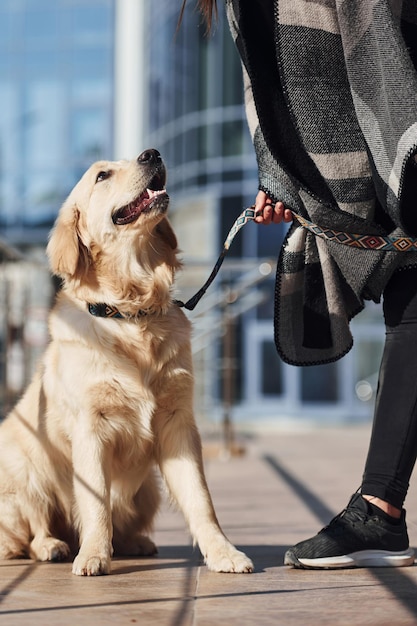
131, 211
128, 213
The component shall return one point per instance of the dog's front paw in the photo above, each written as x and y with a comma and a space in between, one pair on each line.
49, 549
91, 565
228, 559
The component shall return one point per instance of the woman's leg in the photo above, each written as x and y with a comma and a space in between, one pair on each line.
393, 446
371, 531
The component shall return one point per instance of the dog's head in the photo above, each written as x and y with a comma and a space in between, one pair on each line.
112, 238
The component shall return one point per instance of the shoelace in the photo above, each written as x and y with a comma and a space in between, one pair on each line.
351, 514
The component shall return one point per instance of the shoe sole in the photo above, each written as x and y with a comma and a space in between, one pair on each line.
364, 558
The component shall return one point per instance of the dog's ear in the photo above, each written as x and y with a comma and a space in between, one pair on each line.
67, 255
164, 229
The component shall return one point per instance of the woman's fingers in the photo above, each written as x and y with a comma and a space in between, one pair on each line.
260, 201
267, 212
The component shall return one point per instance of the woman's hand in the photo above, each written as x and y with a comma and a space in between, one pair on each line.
266, 212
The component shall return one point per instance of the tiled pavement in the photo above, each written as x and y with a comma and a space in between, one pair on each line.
283, 488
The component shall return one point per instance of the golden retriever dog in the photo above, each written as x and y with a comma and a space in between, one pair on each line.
113, 396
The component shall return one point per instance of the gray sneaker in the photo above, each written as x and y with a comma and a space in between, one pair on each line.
357, 537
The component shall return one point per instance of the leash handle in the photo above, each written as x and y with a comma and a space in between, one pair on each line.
246, 216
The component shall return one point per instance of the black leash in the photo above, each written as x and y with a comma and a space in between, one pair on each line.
246, 216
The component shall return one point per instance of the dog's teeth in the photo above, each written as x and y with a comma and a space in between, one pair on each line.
152, 193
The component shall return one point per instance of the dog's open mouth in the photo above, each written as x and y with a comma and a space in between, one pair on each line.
141, 204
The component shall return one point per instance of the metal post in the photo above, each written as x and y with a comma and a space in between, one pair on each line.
228, 379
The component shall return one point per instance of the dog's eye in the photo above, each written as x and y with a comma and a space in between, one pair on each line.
102, 176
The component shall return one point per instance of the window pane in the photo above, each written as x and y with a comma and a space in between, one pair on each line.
232, 138
319, 383
271, 370
368, 354
87, 135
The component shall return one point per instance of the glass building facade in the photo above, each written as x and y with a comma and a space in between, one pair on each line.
56, 79
56, 93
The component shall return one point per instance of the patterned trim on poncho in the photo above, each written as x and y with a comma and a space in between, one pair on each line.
335, 142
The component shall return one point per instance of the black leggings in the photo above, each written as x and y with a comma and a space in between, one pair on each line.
393, 446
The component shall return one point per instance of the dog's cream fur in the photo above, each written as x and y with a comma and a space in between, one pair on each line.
112, 398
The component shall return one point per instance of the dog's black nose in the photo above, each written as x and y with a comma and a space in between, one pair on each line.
149, 156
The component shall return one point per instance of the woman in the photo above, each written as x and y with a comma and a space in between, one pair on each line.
331, 100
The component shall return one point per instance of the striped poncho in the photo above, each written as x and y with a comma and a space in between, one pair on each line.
331, 100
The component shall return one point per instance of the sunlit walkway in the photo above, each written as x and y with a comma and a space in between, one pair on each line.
282, 490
